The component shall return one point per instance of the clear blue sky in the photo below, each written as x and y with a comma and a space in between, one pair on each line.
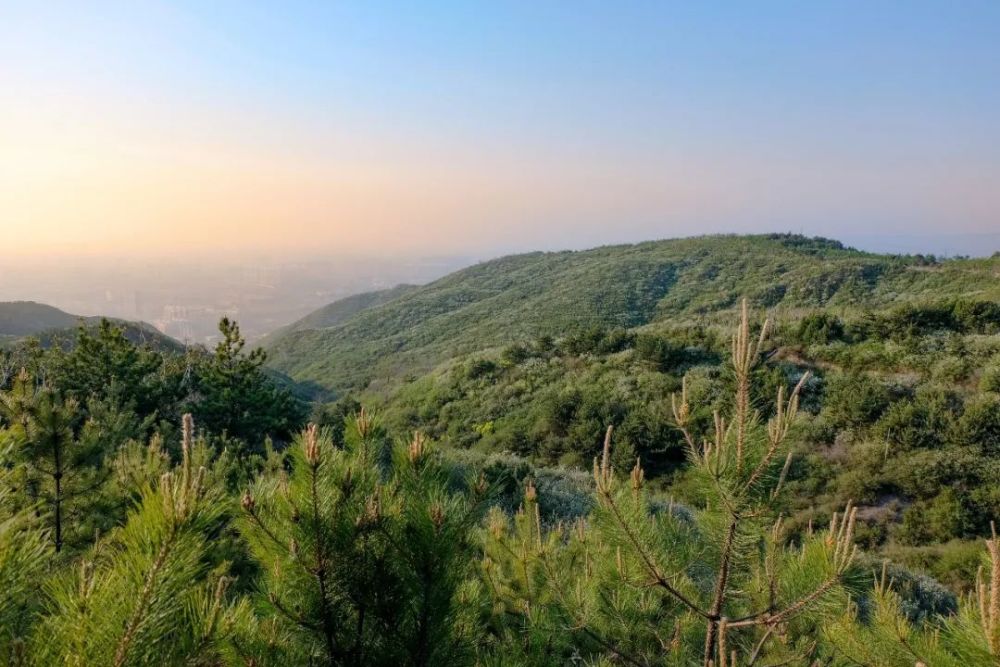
495, 125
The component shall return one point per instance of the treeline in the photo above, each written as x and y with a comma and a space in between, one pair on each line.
131, 538
105, 368
72, 411
962, 316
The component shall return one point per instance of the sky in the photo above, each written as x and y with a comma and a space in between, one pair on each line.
154, 129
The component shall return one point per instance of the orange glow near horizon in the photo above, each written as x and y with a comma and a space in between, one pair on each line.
93, 190
100, 195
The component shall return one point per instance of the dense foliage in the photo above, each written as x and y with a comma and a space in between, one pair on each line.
535, 354
130, 537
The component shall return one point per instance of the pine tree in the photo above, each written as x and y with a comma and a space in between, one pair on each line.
144, 594
24, 548
719, 585
877, 633
234, 397
58, 473
365, 561
103, 363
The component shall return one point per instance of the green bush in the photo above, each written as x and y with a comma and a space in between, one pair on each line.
980, 425
819, 328
855, 399
933, 521
990, 379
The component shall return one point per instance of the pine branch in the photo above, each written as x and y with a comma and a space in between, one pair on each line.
320, 571
647, 559
138, 614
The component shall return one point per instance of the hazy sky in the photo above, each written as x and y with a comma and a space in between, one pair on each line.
478, 127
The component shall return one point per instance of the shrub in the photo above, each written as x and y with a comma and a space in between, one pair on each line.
855, 399
513, 355
990, 379
923, 421
936, 520
659, 352
819, 328
480, 368
980, 425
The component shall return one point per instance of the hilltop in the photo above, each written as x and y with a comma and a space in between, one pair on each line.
386, 335
24, 318
52, 326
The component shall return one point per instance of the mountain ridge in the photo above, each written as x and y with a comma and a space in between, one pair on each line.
23, 318
551, 293
337, 311
51, 325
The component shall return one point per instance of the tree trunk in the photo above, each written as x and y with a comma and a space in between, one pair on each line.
57, 476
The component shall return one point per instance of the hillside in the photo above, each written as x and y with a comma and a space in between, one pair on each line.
900, 415
521, 296
473, 471
339, 311
51, 326
23, 318
417, 532
139, 333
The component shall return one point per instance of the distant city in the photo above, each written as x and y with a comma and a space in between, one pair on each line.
186, 300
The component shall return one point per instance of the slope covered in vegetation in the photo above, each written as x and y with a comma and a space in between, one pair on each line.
23, 318
901, 414
649, 490
51, 326
339, 311
525, 296
132, 536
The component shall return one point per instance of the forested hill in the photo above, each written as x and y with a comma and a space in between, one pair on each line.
51, 326
339, 311
522, 296
23, 318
